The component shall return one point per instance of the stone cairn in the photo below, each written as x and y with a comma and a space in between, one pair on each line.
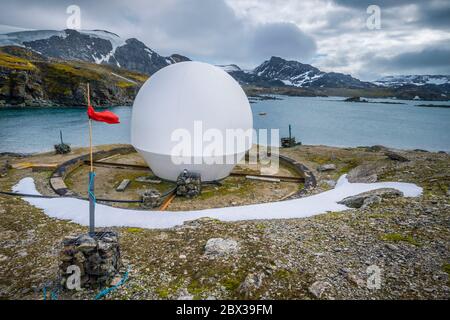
189, 184
61, 148
4, 168
97, 257
151, 199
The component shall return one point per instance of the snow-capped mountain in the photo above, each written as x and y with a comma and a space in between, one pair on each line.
417, 80
98, 46
280, 72
291, 73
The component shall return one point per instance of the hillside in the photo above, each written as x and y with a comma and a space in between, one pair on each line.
30, 79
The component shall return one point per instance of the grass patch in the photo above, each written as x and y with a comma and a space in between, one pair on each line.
282, 274
197, 289
162, 292
125, 84
397, 237
12, 62
446, 268
134, 230
231, 284
349, 165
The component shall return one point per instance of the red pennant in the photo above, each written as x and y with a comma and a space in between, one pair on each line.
102, 116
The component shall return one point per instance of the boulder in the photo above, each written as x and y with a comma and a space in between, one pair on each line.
251, 283
365, 173
395, 156
330, 183
326, 167
218, 247
376, 148
370, 197
356, 99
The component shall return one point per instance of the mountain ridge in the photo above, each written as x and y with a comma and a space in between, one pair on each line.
275, 75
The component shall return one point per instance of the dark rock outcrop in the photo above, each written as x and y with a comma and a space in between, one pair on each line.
369, 197
28, 80
136, 56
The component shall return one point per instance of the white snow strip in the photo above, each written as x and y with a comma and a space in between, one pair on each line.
105, 216
126, 79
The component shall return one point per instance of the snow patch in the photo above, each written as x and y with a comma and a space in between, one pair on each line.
18, 38
418, 80
78, 210
229, 67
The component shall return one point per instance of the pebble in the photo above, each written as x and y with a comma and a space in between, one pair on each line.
318, 288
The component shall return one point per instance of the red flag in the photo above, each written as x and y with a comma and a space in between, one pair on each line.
103, 116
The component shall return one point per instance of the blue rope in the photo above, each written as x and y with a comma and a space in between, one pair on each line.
91, 184
53, 294
106, 291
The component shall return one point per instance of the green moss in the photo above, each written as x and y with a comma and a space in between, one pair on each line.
231, 284
125, 84
196, 289
320, 159
331, 215
162, 292
349, 165
12, 62
282, 274
230, 186
379, 215
397, 237
134, 230
446, 268
261, 226
61, 68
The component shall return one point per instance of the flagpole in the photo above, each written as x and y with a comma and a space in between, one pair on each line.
91, 176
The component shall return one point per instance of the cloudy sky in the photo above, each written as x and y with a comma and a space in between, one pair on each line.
414, 36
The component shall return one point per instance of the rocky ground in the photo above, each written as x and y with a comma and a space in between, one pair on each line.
394, 248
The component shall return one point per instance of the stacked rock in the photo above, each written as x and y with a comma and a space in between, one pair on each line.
189, 184
4, 168
94, 259
62, 148
151, 199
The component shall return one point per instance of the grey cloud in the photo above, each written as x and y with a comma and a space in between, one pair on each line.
435, 60
283, 40
201, 29
431, 13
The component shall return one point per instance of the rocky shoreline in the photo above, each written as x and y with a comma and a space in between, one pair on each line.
390, 247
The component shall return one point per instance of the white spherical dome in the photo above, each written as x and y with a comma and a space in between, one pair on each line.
191, 99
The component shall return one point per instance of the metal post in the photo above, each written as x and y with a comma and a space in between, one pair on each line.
60, 136
91, 177
91, 203
290, 135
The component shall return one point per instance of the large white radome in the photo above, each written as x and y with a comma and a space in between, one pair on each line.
176, 97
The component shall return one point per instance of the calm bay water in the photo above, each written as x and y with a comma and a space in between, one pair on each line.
326, 121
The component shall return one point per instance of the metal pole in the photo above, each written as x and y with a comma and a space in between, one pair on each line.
91, 204
290, 136
91, 177
60, 136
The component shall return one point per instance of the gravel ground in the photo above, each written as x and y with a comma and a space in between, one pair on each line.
396, 249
